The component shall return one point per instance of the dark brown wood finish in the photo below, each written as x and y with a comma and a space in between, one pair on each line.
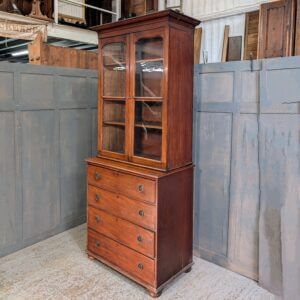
166, 145
276, 29
121, 206
140, 187
131, 186
102, 43
124, 232
175, 226
121, 257
251, 35
170, 220
180, 96
297, 38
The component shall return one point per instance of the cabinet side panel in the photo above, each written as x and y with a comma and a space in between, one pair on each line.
180, 97
175, 224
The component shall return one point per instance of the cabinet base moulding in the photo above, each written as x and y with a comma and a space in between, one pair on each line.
153, 292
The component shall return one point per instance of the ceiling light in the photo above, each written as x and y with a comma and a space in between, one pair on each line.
20, 53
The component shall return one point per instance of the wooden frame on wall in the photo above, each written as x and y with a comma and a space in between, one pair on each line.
251, 35
275, 40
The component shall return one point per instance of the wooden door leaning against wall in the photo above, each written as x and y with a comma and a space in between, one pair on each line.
276, 29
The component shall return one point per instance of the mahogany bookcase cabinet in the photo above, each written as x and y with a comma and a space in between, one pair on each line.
140, 185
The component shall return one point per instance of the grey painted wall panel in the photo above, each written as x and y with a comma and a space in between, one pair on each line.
280, 178
212, 181
264, 219
244, 201
8, 203
45, 136
6, 89
282, 91
246, 152
93, 88
41, 207
249, 92
75, 147
37, 90
72, 90
250, 87
216, 87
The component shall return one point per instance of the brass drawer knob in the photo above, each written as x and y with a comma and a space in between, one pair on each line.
97, 197
140, 266
141, 213
97, 219
139, 238
97, 243
97, 176
140, 188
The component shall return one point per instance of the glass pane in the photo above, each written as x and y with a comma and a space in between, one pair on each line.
148, 114
149, 48
147, 142
149, 67
148, 79
114, 68
113, 138
114, 112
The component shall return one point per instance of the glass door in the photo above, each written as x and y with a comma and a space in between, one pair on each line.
113, 95
148, 90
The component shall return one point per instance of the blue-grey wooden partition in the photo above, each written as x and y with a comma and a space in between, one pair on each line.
246, 153
47, 129
247, 157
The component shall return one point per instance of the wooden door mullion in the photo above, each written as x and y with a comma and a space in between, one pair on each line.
131, 105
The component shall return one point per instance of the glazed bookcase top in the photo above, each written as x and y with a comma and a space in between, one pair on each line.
145, 90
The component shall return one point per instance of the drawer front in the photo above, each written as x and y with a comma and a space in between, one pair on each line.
129, 185
133, 236
135, 211
122, 257
102, 177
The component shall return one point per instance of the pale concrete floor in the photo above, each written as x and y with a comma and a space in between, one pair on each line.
58, 268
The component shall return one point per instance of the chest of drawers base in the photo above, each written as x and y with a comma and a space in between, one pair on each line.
140, 221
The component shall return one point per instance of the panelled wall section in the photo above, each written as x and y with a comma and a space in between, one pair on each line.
47, 129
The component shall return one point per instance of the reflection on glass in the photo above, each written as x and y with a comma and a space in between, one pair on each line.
148, 114
149, 48
148, 129
113, 138
114, 112
113, 53
148, 79
114, 70
149, 67
147, 143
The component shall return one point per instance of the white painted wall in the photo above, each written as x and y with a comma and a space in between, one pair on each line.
213, 33
214, 15
204, 9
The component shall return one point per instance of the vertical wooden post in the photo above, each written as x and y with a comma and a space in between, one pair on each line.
225, 43
35, 50
297, 39
197, 45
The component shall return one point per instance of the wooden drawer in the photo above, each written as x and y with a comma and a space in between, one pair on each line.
122, 257
129, 185
133, 236
135, 211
